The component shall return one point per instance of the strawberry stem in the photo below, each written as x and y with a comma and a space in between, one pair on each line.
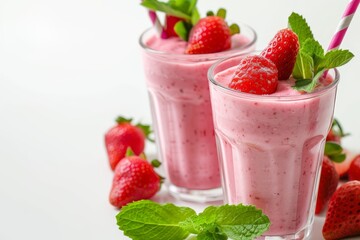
155, 163
122, 119
129, 152
147, 131
221, 13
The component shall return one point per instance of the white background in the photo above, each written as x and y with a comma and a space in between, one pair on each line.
68, 68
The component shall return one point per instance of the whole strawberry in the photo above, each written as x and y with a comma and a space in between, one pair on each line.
354, 170
211, 34
255, 74
329, 180
170, 22
122, 136
343, 216
282, 50
134, 179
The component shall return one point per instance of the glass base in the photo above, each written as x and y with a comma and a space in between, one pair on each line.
198, 196
303, 234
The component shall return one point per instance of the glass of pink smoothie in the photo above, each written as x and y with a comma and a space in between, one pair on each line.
181, 111
271, 147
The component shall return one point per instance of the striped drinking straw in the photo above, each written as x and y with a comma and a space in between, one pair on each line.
157, 24
344, 24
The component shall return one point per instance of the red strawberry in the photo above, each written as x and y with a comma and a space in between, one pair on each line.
134, 179
170, 22
333, 137
329, 180
255, 74
211, 34
122, 136
282, 50
354, 170
343, 167
343, 216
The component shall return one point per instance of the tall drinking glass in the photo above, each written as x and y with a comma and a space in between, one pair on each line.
271, 148
182, 119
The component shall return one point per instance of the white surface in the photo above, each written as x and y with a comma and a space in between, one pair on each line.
67, 69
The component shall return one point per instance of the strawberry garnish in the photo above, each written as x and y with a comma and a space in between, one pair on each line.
211, 34
255, 74
170, 22
354, 169
134, 179
343, 216
282, 50
122, 136
329, 180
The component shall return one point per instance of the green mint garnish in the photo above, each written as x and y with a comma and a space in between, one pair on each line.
184, 9
312, 62
234, 221
187, 11
174, 8
149, 220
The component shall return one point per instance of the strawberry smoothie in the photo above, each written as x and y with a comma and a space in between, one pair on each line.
181, 111
271, 147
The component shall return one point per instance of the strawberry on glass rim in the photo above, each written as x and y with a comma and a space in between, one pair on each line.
210, 34
296, 55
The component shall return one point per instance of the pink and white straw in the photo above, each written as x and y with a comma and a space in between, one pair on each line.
157, 24
344, 24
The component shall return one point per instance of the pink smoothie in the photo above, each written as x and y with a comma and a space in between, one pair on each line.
271, 148
181, 110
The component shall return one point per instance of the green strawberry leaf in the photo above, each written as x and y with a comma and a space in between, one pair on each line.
235, 221
339, 158
122, 119
166, 8
234, 29
221, 13
148, 220
146, 130
304, 66
299, 26
210, 13
338, 129
335, 58
155, 163
335, 152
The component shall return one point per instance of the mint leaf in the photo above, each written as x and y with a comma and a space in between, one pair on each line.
299, 26
236, 221
195, 17
311, 85
335, 58
148, 220
182, 30
315, 50
166, 8
304, 66
213, 234
185, 6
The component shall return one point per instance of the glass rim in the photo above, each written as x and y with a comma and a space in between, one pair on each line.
264, 97
208, 56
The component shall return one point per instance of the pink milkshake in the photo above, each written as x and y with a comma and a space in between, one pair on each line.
182, 115
271, 147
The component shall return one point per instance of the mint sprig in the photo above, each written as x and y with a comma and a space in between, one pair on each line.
312, 62
149, 220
